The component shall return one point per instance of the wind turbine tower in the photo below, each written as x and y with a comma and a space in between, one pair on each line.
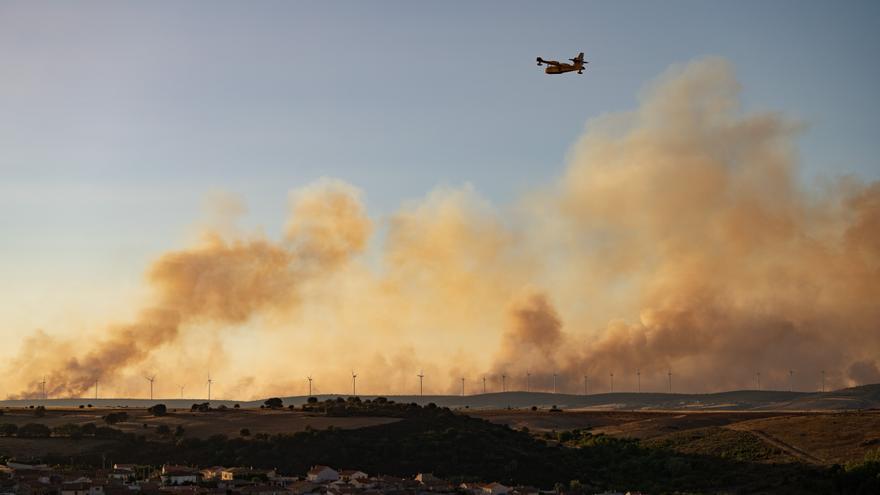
554, 383
462, 386
790, 380
612, 381
210, 381
181, 390
758, 380
669, 374
354, 378
586, 385
484, 384
151, 379
96, 389
528, 381
504, 383
43, 388
421, 376
310, 384
823, 380
638, 380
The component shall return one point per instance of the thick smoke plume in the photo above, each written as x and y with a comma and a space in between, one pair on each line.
678, 239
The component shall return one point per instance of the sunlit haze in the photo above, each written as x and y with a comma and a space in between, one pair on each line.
268, 191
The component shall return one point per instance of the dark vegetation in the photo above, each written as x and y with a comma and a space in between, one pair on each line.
158, 410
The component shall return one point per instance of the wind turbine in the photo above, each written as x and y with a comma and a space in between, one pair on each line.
823, 380
43, 388
669, 373
586, 386
638, 380
96, 389
484, 384
504, 383
310, 384
554, 383
151, 379
181, 390
421, 376
612, 381
462, 386
790, 380
353, 383
210, 381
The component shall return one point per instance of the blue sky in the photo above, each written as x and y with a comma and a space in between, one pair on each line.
117, 118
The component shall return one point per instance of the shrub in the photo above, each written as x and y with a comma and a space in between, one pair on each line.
274, 403
117, 417
243, 432
158, 410
89, 429
312, 400
178, 432
236, 406
163, 430
82, 406
34, 430
8, 430
40, 411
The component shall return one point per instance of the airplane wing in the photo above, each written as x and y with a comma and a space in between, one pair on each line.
579, 58
548, 62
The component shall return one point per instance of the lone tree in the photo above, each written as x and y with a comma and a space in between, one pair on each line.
158, 410
117, 417
274, 403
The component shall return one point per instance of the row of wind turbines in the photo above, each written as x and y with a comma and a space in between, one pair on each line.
421, 376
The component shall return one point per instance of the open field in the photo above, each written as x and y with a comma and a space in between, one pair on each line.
195, 424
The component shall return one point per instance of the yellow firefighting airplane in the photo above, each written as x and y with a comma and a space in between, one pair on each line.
555, 67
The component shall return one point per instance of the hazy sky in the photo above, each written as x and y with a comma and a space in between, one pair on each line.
117, 119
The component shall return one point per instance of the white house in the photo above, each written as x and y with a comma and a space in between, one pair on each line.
322, 474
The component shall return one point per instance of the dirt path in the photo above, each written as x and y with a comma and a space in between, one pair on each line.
783, 446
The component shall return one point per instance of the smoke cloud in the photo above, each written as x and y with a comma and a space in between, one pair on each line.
679, 238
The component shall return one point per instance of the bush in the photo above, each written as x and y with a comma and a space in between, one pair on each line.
243, 432
236, 406
34, 430
82, 406
274, 403
158, 410
163, 430
8, 430
117, 417
40, 411
178, 432
312, 400
89, 429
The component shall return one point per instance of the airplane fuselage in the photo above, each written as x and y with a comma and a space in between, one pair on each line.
563, 68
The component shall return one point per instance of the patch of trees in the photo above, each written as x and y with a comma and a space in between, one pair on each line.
115, 417
158, 410
378, 407
34, 430
274, 403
